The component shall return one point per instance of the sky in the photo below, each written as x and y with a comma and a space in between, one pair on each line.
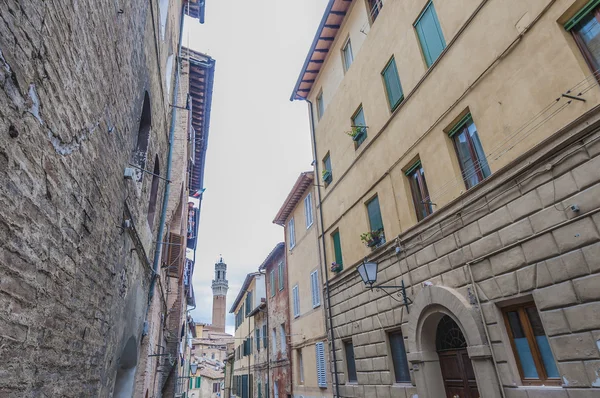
259, 141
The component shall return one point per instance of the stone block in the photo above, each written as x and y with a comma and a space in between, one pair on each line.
513, 392
572, 160
490, 312
540, 248
547, 218
525, 205
374, 378
526, 278
489, 289
546, 392
584, 317
575, 264
555, 296
363, 378
398, 391
451, 225
495, 332
425, 256
380, 363
543, 277
508, 260
588, 287
557, 189
570, 347
439, 266
475, 211
591, 254
494, 221
383, 391
587, 173
386, 377
486, 245
470, 233
460, 257
507, 377
587, 200
557, 269
515, 232
500, 352
592, 369
502, 195
508, 284
420, 274
577, 234
445, 245
554, 322
455, 278
583, 392
592, 144
481, 270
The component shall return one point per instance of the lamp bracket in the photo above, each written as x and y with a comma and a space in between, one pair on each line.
400, 293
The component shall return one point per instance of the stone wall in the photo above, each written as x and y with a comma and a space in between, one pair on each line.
73, 284
516, 237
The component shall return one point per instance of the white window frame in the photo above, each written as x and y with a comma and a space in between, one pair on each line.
320, 105
292, 233
321, 364
315, 288
296, 301
347, 46
308, 213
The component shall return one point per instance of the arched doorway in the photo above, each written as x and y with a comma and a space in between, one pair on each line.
456, 366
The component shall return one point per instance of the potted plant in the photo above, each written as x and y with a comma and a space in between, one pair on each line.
372, 238
337, 268
357, 132
326, 175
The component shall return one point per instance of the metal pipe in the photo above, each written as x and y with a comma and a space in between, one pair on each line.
314, 145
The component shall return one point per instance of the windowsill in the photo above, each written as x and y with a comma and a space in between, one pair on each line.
406, 384
309, 225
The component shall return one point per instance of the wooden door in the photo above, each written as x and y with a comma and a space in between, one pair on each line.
457, 371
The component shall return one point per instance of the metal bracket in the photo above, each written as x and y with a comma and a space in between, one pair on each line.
573, 97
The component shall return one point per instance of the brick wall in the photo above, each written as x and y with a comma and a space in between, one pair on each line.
72, 285
519, 237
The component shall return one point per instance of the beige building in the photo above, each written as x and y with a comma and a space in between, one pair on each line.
208, 383
308, 336
459, 154
248, 302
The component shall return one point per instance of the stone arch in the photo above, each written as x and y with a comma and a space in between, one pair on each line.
153, 192
430, 305
125, 380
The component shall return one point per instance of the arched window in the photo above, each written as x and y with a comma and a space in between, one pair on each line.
125, 379
141, 148
153, 193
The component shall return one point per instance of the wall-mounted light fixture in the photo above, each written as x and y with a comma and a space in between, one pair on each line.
368, 274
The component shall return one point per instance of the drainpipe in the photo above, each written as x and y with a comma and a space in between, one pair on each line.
314, 145
163, 214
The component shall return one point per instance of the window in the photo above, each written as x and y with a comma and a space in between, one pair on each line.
212, 356
274, 340
320, 106
321, 365
282, 337
585, 27
281, 275
430, 34
393, 88
347, 56
337, 248
259, 390
272, 283
350, 365
163, 10
292, 233
257, 335
216, 387
249, 306
169, 73
314, 288
374, 213
153, 193
141, 147
530, 345
327, 175
296, 300
375, 7
418, 188
308, 213
275, 390
473, 164
198, 380
359, 127
300, 366
265, 336
401, 369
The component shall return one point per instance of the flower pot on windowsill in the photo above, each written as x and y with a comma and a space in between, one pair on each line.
326, 175
336, 268
357, 133
373, 239
374, 242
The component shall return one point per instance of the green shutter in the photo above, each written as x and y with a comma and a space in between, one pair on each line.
337, 247
461, 123
272, 283
413, 168
198, 380
393, 87
581, 14
374, 212
191, 383
430, 34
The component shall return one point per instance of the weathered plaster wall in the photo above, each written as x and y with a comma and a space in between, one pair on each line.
73, 289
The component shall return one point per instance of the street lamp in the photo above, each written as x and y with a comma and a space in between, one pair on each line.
194, 368
368, 274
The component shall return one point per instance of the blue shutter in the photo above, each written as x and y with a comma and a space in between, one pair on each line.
393, 87
374, 212
430, 34
321, 371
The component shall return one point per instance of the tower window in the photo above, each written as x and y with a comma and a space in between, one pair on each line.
153, 193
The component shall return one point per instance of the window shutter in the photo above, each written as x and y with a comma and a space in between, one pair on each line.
281, 275
265, 338
430, 34
392, 84
374, 215
321, 372
337, 248
258, 339
315, 289
296, 301
175, 255
272, 283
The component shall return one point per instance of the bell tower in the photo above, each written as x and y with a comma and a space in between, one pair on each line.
219, 288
